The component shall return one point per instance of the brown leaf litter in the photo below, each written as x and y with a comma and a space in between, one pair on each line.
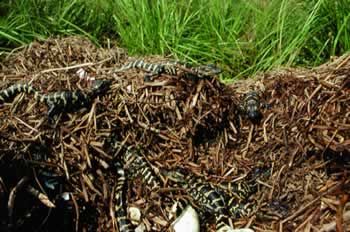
304, 137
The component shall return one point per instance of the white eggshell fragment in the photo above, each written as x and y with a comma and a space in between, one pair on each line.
135, 215
188, 221
229, 229
140, 228
173, 210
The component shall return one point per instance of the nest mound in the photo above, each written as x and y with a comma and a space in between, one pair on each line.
304, 138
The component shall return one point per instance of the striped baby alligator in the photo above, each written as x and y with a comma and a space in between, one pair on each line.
131, 165
236, 198
203, 194
136, 165
221, 201
120, 193
250, 106
174, 68
61, 101
124, 223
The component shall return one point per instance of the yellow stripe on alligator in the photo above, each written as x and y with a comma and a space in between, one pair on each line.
74, 97
6, 93
13, 89
29, 88
63, 98
153, 67
42, 98
207, 194
56, 96
144, 171
37, 96
117, 207
138, 64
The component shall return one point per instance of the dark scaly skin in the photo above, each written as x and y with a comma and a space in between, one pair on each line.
203, 194
61, 101
11, 92
177, 68
225, 200
202, 71
153, 69
221, 222
240, 209
240, 190
251, 106
237, 195
124, 223
236, 198
137, 166
174, 68
67, 101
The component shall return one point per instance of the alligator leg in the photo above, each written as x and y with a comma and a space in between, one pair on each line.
151, 76
221, 222
51, 113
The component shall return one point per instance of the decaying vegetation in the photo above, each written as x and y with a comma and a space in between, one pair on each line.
304, 138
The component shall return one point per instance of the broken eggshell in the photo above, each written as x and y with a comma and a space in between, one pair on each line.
188, 221
135, 215
229, 229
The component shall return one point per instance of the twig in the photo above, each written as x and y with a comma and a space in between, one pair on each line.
26, 124
68, 68
332, 226
343, 199
11, 202
250, 136
300, 210
285, 140
76, 207
40, 196
277, 179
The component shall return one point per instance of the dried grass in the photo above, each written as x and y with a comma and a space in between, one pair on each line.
304, 136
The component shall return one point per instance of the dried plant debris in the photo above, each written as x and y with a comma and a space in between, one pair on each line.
295, 156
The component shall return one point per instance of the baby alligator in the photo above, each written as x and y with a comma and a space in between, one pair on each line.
250, 106
223, 201
174, 68
203, 194
136, 165
124, 223
237, 195
236, 198
61, 101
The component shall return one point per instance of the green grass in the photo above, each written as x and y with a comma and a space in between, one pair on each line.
244, 37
